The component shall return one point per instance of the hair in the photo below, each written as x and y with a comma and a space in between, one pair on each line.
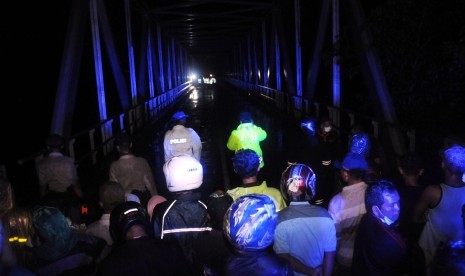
55, 141
218, 203
111, 194
123, 140
411, 163
374, 194
357, 174
325, 119
6, 197
246, 163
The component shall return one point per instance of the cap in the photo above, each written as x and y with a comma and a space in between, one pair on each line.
454, 157
352, 161
55, 141
245, 117
178, 115
183, 173
124, 216
250, 222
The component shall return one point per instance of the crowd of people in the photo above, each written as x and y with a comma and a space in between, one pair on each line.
337, 212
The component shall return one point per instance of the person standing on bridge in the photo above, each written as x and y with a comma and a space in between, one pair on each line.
131, 171
181, 140
247, 136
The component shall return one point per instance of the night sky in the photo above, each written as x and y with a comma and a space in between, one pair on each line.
32, 43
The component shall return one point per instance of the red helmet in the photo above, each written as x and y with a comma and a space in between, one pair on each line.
298, 183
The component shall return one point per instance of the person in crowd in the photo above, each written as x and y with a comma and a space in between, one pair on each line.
247, 136
305, 234
135, 251
181, 140
411, 168
110, 195
450, 256
347, 208
327, 151
442, 204
372, 150
360, 143
379, 248
154, 201
211, 246
249, 226
184, 216
61, 251
19, 232
13, 261
246, 163
58, 177
131, 171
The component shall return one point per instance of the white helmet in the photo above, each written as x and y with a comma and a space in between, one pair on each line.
183, 173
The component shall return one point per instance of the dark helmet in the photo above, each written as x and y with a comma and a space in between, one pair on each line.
124, 216
298, 183
250, 222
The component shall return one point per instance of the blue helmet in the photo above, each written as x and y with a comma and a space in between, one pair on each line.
298, 183
360, 143
250, 222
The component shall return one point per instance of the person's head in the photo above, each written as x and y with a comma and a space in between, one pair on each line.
360, 143
298, 183
110, 194
218, 203
52, 228
18, 225
129, 220
246, 163
383, 201
411, 164
245, 117
123, 142
183, 173
326, 124
55, 142
6, 197
250, 222
154, 201
353, 167
453, 161
179, 118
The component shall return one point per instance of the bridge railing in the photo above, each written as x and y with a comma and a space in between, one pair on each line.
91, 145
299, 107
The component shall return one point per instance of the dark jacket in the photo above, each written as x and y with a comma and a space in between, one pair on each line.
378, 249
257, 263
183, 219
145, 256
